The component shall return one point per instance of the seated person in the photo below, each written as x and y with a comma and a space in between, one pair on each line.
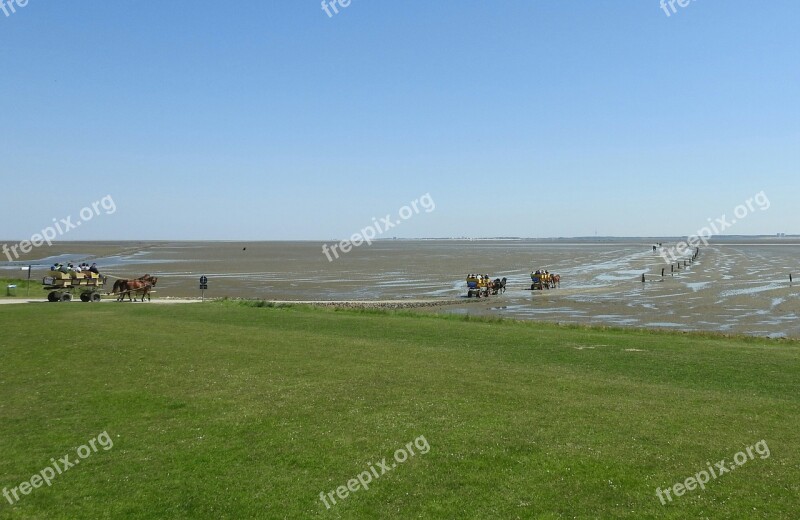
94, 269
71, 270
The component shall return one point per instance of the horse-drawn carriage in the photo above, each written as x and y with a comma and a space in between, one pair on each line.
481, 285
542, 279
63, 286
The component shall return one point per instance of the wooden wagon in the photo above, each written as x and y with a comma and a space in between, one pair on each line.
63, 286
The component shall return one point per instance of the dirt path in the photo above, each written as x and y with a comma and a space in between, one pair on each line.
363, 304
15, 301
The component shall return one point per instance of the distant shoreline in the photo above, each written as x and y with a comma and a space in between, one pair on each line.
586, 239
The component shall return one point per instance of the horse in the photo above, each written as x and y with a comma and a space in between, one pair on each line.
142, 285
139, 285
556, 280
499, 286
117, 287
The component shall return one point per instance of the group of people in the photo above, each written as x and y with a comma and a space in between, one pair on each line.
540, 272
71, 268
481, 279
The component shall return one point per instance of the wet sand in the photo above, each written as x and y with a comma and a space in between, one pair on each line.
737, 285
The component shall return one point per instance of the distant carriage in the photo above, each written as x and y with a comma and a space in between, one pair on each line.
543, 279
88, 286
478, 286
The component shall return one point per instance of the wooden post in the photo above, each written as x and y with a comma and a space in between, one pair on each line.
28, 290
642, 277
662, 272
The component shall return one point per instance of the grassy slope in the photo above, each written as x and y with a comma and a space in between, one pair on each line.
225, 411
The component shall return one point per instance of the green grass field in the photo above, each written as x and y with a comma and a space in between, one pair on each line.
22, 290
230, 411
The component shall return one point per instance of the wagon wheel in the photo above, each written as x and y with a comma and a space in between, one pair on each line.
84, 297
52, 297
66, 297
95, 297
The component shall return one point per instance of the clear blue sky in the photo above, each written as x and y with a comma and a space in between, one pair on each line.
270, 120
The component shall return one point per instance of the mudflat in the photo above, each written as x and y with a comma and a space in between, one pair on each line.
735, 285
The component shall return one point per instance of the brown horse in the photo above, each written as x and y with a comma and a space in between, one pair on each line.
555, 281
117, 286
120, 283
140, 285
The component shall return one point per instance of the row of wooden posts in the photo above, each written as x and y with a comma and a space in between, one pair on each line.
685, 265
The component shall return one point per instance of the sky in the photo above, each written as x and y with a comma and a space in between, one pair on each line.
254, 120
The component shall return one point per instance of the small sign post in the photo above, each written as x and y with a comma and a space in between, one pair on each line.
28, 289
203, 287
